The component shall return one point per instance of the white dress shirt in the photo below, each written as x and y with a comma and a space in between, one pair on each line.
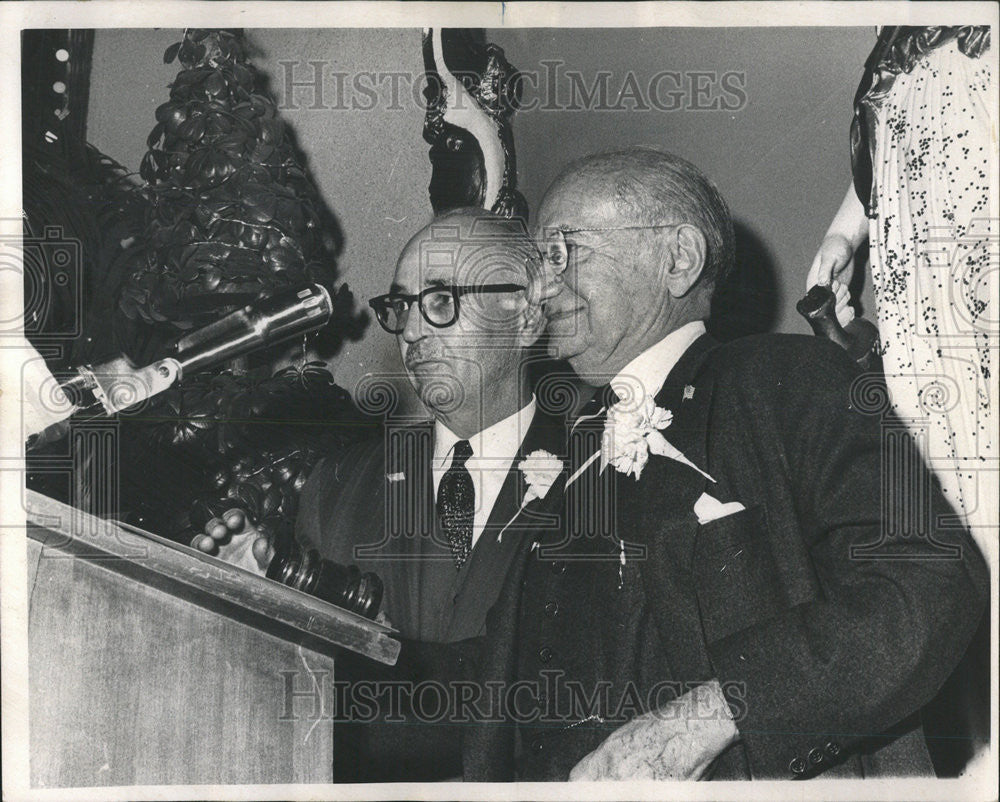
644, 376
493, 452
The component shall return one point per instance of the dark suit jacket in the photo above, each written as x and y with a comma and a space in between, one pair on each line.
827, 636
374, 508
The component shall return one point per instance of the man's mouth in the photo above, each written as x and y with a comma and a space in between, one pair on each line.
417, 362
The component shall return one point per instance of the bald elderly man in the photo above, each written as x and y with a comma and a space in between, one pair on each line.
437, 510
738, 589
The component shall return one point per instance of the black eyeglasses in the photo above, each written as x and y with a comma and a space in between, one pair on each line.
555, 249
438, 305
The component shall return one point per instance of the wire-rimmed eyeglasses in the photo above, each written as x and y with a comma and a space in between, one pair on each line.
438, 305
555, 249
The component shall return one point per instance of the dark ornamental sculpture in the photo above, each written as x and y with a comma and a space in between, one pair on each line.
472, 93
227, 212
234, 214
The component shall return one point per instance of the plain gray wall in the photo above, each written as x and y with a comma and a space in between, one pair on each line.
781, 160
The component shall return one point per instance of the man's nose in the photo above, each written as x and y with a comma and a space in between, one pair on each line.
414, 325
555, 295
545, 283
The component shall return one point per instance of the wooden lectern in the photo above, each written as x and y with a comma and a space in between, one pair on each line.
151, 663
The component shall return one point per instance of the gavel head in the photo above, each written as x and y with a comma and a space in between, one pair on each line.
343, 585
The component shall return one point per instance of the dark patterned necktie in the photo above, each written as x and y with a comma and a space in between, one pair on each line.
456, 503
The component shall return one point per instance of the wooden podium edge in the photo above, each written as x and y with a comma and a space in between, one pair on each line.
192, 575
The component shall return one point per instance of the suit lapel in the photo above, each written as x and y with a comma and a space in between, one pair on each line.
493, 554
487, 746
668, 487
688, 396
410, 518
508, 501
659, 509
409, 488
545, 433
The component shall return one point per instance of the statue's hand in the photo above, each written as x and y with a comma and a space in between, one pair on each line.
834, 261
842, 306
237, 541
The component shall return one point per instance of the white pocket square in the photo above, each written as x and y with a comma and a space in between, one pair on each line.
708, 508
395, 477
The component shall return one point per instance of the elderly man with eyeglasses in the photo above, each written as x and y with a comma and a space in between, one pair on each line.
754, 578
437, 510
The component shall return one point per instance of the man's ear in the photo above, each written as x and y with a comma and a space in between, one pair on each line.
532, 324
687, 248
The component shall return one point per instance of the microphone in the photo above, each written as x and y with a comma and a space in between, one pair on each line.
118, 384
262, 323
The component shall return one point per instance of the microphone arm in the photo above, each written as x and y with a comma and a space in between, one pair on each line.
118, 384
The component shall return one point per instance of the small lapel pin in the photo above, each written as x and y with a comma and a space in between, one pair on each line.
688, 392
395, 477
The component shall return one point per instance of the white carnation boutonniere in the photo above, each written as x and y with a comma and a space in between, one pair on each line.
632, 432
540, 470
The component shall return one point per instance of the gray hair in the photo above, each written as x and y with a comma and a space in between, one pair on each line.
650, 187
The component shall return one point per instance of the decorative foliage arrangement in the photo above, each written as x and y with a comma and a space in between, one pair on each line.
226, 213
232, 212
73, 192
232, 215
231, 441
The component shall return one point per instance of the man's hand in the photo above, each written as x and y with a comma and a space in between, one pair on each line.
234, 539
678, 741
